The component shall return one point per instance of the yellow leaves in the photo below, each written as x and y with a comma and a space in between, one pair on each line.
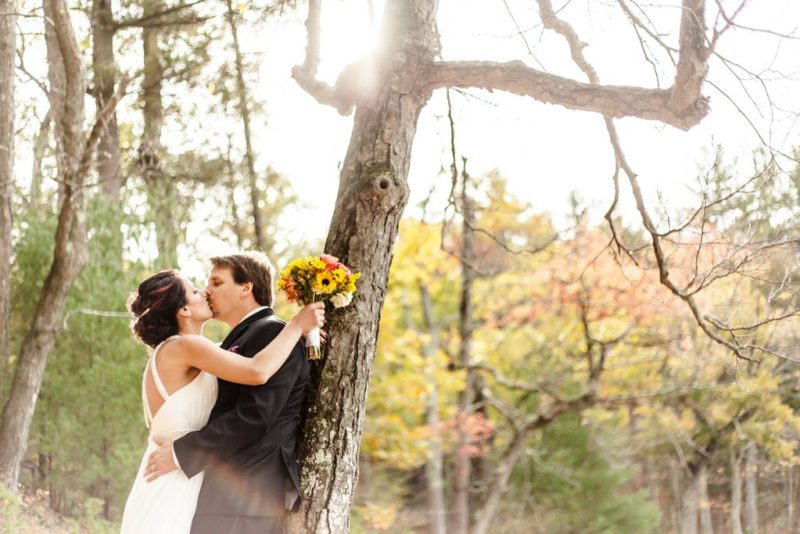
618, 417
390, 439
419, 258
531, 327
377, 516
405, 374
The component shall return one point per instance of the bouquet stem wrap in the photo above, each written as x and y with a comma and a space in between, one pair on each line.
313, 351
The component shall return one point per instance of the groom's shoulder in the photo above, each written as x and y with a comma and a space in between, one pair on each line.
270, 324
270, 320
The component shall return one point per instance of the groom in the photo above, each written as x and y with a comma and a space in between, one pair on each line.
247, 449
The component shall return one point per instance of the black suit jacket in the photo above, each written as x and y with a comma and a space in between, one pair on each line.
247, 449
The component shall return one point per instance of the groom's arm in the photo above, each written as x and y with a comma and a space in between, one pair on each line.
256, 410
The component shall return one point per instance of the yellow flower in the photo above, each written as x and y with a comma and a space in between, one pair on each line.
339, 275
351, 283
317, 264
324, 283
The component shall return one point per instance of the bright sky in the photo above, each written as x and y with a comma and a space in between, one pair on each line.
544, 151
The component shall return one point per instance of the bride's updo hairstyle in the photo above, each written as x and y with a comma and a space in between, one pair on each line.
155, 306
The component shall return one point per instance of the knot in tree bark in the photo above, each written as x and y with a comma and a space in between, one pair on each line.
382, 189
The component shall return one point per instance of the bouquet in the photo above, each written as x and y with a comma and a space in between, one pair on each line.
314, 279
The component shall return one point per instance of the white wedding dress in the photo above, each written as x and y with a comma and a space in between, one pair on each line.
167, 504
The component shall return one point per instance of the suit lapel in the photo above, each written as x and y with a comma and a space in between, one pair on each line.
242, 326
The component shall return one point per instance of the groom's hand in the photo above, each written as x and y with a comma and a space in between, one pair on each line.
160, 461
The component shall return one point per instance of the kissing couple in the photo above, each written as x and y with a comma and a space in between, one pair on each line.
223, 420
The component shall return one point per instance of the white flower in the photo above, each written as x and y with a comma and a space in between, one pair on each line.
340, 300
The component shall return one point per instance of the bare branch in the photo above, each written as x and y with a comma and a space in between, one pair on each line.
511, 384
753, 326
638, 23
516, 77
692, 64
153, 19
576, 46
306, 74
731, 23
100, 123
22, 68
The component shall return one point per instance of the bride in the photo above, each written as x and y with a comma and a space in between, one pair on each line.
179, 388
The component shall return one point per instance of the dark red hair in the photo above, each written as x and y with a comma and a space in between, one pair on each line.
155, 306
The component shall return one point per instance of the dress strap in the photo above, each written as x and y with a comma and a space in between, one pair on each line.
154, 370
148, 414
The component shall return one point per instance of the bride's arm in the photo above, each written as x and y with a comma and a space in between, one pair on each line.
197, 351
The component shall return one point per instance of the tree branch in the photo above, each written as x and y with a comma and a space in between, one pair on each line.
101, 122
610, 100
306, 74
692, 64
151, 19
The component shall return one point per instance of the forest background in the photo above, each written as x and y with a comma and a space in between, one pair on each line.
579, 308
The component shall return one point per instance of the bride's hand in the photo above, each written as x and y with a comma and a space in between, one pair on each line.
311, 316
160, 462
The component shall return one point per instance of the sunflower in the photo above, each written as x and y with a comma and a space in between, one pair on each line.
324, 283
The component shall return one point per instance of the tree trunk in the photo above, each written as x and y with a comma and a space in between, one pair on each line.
40, 145
689, 505
499, 487
244, 109
373, 192
675, 502
790, 496
736, 491
105, 73
7, 75
236, 223
463, 462
703, 501
434, 465
70, 253
162, 193
751, 488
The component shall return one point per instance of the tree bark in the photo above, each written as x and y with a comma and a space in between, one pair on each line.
703, 501
40, 146
162, 192
70, 252
675, 501
7, 75
373, 192
236, 223
434, 465
736, 491
790, 496
751, 488
613, 101
496, 492
463, 463
689, 498
244, 109
104, 67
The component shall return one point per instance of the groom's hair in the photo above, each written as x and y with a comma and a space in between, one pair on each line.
250, 266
